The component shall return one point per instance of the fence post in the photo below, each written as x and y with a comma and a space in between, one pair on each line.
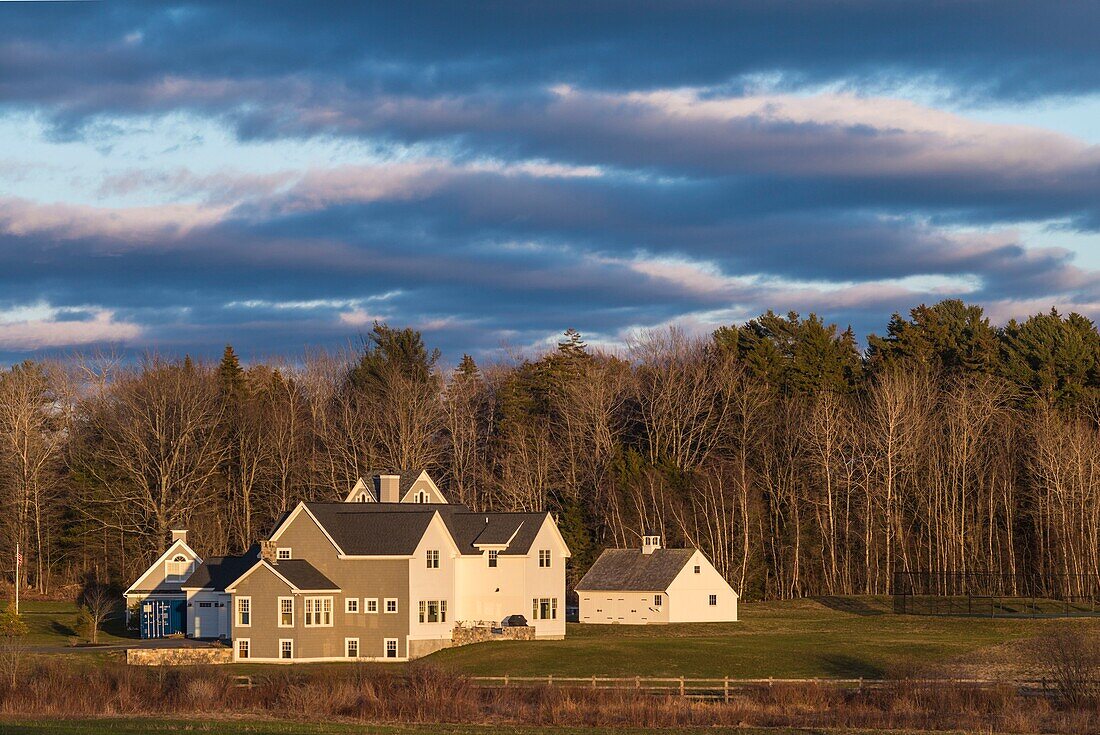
726, 689
549, 680
681, 686
505, 680
637, 682
593, 681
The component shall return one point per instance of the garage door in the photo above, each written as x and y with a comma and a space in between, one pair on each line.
207, 616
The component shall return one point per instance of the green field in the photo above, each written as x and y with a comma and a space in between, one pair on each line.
828, 637
54, 623
841, 638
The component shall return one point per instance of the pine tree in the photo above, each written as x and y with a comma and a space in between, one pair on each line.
231, 380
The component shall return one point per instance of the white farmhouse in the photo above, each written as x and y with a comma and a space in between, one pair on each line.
655, 585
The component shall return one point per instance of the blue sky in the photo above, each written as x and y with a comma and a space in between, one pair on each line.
178, 176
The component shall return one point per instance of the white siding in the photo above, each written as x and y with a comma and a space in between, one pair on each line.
688, 595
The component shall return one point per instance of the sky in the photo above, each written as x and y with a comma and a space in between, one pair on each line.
175, 177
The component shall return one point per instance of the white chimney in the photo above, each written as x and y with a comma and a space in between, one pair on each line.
389, 488
650, 543
179, 535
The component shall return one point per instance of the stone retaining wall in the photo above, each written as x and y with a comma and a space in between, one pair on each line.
178, 656
465, 636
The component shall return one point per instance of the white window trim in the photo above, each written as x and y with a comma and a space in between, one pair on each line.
428, 558
281, 642
366, 605
658, 600
347, 604
237, 612
549, 559
358, 650
176, 575
237, 649
386, 645
279, 553
279, 612
332, 612
386, 607
712, 597
492, 558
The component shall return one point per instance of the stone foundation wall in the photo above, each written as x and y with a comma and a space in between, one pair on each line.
466, 636
178, 656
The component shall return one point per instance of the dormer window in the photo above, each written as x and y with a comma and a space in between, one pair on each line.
283, 553
177, 569
422, 497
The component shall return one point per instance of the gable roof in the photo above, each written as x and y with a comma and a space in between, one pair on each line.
373, 529
298, 574
395, 529
303, 575
218, 572
631, 570
177, 545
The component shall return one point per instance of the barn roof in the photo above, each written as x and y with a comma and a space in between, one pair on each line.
631, 570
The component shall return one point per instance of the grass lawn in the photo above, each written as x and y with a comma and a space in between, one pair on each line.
830, 637
54, 623
230, 727
840, 638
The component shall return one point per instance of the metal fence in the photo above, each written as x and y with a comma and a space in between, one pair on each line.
995, 594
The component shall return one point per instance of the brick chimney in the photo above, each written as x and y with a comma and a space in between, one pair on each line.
389, 488
179, 535
650, 543
267, 551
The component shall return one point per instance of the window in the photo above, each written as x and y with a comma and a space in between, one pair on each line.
698, 568
433, 611
206, 604
286, 648
283, 553
422, 496
544, 608
178, 569
244, 611
714, 599
318, 612
371, 604
244, 646
391, 648
391, 604
286, 612
351, 604
351, 647
544, 557
658, 600
433, 558
493, 558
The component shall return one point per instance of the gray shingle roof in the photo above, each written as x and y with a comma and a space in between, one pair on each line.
304, 575
218, 571
631, 570
395, 529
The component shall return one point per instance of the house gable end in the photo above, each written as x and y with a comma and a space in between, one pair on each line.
157, 568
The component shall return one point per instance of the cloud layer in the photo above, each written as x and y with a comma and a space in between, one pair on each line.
181, 176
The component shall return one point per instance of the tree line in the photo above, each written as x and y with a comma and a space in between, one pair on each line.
799, 462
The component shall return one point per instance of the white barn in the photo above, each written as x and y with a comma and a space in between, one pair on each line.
654, 585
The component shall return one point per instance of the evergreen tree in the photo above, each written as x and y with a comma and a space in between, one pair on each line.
388, 348
231, 379
951, 336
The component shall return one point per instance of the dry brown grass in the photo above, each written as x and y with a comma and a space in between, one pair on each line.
423, 694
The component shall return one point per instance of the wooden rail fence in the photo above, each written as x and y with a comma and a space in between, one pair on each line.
722, 689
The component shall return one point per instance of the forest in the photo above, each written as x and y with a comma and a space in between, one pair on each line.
800, 461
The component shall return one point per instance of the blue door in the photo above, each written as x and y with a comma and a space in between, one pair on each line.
160, 618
